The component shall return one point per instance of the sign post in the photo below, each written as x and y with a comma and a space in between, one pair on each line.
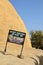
16, 37
20, 56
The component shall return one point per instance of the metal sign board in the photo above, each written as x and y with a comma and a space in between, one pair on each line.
16, 37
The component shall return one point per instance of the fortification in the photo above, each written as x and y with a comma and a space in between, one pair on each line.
9, 19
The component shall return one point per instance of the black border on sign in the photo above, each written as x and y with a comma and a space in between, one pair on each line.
15, 36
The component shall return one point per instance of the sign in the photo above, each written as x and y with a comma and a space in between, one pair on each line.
16, 37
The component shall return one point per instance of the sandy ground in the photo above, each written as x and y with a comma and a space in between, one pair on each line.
8, 17
31, 56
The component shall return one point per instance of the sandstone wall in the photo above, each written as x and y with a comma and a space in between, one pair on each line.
9, 19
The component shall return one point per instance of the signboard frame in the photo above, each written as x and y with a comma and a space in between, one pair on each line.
17, 34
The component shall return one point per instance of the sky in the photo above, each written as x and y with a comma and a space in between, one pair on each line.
31, 12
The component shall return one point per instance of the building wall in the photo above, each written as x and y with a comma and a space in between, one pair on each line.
9, 19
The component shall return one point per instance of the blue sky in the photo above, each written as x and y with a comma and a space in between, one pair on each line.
31, 12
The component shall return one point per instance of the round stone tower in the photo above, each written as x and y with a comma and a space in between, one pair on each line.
9, 19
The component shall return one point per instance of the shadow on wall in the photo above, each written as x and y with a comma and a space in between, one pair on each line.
36, 62
40, 60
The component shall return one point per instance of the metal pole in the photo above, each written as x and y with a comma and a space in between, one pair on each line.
6, 44
21, 50
5, 48
20, 56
